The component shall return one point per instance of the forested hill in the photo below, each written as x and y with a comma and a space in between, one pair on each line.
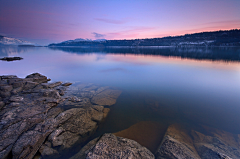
216, 38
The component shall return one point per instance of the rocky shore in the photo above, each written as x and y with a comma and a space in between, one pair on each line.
37, 116
49, 119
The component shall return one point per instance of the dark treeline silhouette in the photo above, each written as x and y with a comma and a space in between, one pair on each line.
227, 54
216, 38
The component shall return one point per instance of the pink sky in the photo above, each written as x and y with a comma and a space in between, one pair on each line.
50, 21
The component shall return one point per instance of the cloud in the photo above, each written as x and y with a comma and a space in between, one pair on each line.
98, 36
111, 21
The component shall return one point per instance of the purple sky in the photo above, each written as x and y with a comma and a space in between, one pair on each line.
47, 21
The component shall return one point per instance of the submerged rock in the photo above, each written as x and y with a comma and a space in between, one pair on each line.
110, 146
106, 97
147, 133
180, 142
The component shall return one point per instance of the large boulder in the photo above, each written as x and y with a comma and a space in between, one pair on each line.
110, 146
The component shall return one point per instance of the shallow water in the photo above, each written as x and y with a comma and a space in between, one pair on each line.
165, 85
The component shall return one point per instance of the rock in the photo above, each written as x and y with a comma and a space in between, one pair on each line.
106, 97
18, 84
11, 58
16, 99
51, 85
16, 90
147, 133
111, 146
217, 144
7, 77
211, 143
46, 150
177, 144
29, 85
80, 125
105, 112
2, 104
4, 94
81, 154
7, 88
51, 93
38, 78
67, 84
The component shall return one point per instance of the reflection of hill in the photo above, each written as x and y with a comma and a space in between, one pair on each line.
198, 53
13, 50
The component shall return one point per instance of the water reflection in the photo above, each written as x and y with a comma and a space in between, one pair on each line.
198, 53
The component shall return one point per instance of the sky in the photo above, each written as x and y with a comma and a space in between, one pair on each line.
52, 21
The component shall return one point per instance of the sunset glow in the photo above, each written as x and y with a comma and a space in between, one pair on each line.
45, 22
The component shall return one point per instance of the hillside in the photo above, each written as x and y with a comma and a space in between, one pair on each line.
216, 38
13, 41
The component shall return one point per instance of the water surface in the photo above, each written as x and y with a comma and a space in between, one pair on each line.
166, 85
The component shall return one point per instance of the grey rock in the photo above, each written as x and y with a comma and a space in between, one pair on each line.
51, 85
111, 146
7, 88
217, 144
18, 84
16, 99
4, 94
67, 84
29, 85
16, 90
8, 76
173, 149
2, 104
38, 78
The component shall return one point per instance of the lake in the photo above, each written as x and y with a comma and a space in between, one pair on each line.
197, 86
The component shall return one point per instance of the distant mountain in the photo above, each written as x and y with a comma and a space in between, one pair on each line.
13, 41
82, 40
215, 38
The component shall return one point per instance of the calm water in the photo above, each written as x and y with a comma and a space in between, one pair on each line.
168, 85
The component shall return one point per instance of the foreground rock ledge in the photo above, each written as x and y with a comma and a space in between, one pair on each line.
110, 146
37, 116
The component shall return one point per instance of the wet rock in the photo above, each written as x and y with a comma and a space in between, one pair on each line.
111, 146
177, 144
211, 143
11, 58
217, 144
105, 112
46, 150
67, 84
107, 97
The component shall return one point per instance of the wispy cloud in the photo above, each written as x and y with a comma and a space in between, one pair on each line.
111, 21
97, 35
133, 32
